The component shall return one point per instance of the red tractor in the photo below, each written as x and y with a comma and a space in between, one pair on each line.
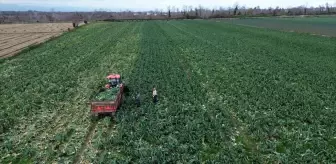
109, 99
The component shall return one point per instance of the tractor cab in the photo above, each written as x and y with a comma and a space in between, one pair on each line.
114, 80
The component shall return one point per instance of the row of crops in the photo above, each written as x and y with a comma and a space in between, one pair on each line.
323, 25
44, 115
226, 93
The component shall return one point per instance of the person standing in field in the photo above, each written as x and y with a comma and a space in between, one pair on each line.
137, 100
155, 99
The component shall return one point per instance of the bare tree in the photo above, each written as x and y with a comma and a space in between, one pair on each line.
236, 7
190, 9
321, 9
184, 10
173, 11
3, 18
243, 9
328, 8
200, 8
250, 11
169, 12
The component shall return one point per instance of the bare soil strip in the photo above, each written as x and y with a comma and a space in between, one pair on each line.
15, 41
7, 39
9, 26
17, 48
43, 27
49, 32
15, 37
19, 41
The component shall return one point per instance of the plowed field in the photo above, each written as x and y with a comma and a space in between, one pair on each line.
16, 37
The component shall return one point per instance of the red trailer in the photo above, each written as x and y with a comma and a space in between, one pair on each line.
110, 106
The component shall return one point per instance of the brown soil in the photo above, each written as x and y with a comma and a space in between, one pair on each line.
16, 37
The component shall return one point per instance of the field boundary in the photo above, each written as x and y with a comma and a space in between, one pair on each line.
288, 31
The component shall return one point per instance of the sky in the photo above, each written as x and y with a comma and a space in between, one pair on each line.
145, 5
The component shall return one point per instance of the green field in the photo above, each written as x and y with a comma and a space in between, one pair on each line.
226, 93
323, 25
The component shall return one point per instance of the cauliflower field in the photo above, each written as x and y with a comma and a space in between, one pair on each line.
226, 93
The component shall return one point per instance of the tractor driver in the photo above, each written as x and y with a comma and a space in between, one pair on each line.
113, 82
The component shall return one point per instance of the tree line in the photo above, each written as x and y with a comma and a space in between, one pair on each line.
172, 12
242, 11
